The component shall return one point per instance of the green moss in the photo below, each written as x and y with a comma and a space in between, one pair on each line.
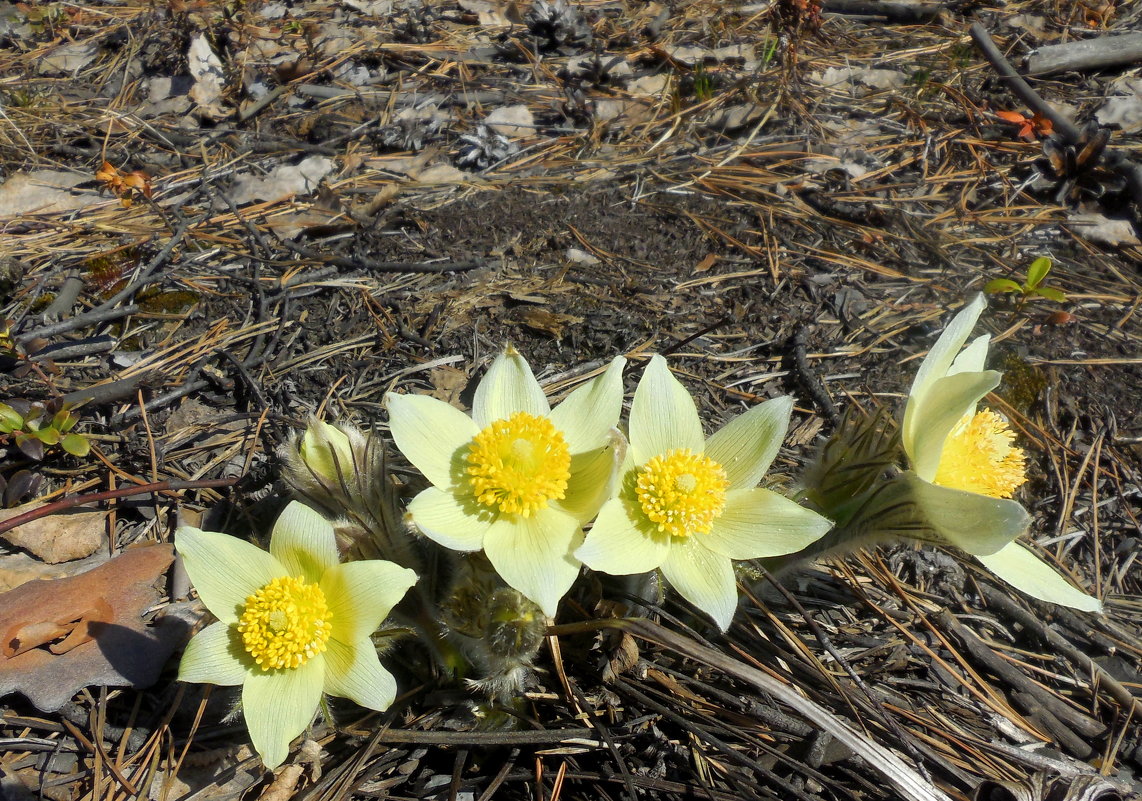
174, 301
1023, 382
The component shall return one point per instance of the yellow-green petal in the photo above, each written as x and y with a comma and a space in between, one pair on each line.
452, 520
934, 416
508, 387
534, 554
972, 358
746, 446
360, 595
622, 542
591, 483
279, 704
304, 543
975, 523
214, 656
431, 434
326, 450
353, 671
588, 414
663, 416
225, 570
1026, 572
757, 523
939, 359
703, 578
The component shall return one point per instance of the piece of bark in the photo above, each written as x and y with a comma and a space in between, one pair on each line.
1088, 54
891, 11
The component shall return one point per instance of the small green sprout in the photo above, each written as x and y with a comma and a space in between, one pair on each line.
1036, 273
34, 426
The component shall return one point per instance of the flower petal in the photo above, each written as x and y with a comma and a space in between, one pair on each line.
455, 521
591, 483
703, 578
972, 358
622, 542
353, 671
303, 542
934, 417
939, 359
758, 523
746, 446
278, 705
1026, 572
214, 656
431, 434
974, 523
588, 414
663, 416
225, 570
508, 387
361, 594
534, 554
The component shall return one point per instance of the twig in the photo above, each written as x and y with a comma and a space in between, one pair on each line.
70, 501
1086, 54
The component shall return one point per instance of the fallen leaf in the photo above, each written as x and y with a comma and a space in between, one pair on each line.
547, 322
209, 78
19, 568
72, 534
1103, 230
873, 78
59, 636
44, 192
1123, 111
448, 383
67, 59
512, 121
285, 181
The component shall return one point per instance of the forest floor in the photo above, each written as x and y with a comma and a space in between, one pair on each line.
217, 219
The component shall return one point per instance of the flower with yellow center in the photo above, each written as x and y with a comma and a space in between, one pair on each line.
965, 467
517, 479
688, 505
292, 623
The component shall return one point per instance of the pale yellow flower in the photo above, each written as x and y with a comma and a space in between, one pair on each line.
292, 623
517, 479
965, 466
688, 506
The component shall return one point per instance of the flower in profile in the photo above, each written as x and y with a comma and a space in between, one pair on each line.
292, 623
517, 479
965, 467
688, 505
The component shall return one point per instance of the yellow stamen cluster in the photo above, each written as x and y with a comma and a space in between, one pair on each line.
979, 457
285, 623
519, 465
682, 492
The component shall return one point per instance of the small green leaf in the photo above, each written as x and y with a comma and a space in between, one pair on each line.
1037, 272
999, 285
1050, 293
10, 419
48, 436
76, 445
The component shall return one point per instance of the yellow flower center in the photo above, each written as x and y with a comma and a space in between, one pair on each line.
519, 465
285, 623
682, 492
979, 457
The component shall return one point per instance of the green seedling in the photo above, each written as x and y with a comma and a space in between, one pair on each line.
1033, 286
35, 426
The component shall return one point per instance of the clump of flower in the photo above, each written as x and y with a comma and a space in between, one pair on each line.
517, 479
687, 506
965, 467
292, 623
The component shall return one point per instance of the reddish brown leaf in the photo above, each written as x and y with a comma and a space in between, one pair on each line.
61, 635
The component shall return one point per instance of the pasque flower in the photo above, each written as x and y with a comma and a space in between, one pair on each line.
292, 623
688, 505
965, 467
517, 479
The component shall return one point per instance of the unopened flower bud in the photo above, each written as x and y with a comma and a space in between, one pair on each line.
326, 450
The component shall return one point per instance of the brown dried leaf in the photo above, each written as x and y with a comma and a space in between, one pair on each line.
73, 534
61, 635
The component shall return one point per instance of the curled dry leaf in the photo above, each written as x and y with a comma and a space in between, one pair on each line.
59, 636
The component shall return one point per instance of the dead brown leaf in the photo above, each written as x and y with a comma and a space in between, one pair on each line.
73, 534
59, 636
